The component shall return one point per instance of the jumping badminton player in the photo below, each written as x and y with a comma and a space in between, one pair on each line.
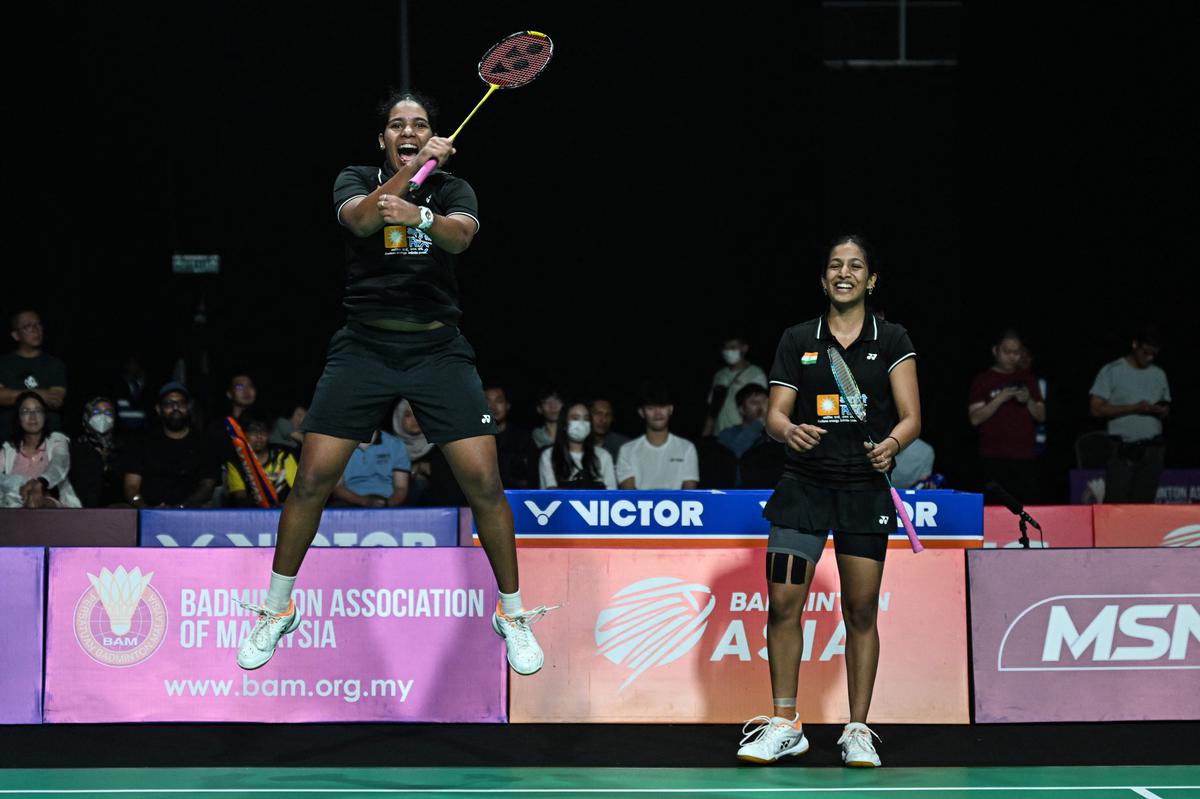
833, 480
401, 340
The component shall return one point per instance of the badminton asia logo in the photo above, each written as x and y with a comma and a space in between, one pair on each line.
121, 620
652, 623
1104, 632
1186, 536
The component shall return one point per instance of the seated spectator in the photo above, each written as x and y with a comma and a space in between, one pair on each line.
727, 382
174, 466
575, 461
277, 463
30, 368
602, 433
36, 462
287, 432
376, 475
514, 447
132, 400
752, 405
914, 465
96, 455
242, 394
658, 459
432, 483
549, 406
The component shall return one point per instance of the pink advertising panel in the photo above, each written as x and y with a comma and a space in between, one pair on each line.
387, 635
1062, 526
678, 636
1085, 635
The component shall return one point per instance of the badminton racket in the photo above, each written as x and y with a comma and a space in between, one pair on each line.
858, 409
511, 62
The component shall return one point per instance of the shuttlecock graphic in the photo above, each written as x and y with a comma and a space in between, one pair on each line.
653, 622
120, 592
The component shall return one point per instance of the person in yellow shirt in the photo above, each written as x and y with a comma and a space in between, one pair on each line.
278, 463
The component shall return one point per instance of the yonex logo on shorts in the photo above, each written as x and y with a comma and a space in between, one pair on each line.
883, 519
487, 418
872, 356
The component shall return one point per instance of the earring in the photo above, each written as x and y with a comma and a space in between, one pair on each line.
870, 289
381, 147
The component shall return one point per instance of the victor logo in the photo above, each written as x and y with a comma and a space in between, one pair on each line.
653, 622
1104, 632
121, 620
543, 516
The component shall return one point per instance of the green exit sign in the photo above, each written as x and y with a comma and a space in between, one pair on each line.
195, 264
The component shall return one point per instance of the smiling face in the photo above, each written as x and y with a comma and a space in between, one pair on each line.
32, 415
847, 275
408, 129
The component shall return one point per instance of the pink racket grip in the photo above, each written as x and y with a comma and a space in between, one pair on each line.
908, 528
422, 173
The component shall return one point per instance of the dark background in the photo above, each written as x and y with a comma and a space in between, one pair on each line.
665, 181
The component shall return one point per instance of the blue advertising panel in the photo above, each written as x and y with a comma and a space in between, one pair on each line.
340, 527
711, 518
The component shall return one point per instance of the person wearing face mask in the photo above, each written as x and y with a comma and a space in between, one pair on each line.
574, 461
174, 466
723, 411
96, 455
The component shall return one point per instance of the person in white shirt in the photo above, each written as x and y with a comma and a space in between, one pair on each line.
658, 459
574, 461
727, 382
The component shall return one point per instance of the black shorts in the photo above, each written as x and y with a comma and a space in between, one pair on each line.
367, 370
809, 545
800, 505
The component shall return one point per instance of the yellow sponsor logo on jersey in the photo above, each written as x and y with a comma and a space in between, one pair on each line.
395, 237
829, 405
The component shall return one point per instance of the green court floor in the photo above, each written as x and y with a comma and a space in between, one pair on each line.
1117, 782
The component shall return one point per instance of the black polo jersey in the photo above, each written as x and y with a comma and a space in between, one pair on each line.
802, 363
399, 273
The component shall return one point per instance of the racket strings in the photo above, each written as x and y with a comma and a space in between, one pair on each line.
846, 384
516, 60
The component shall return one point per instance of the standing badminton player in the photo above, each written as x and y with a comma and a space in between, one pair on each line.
833, 480
401, 339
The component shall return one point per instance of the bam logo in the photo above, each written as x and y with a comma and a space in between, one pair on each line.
543, 516
1104, 632
121, 620
653, 622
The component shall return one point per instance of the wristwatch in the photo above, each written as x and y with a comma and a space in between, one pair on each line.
426, 219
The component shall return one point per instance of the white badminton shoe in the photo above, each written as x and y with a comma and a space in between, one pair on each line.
773, 738
259, 646
858, 750
524, 654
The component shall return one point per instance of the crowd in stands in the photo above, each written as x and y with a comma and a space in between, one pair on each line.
142, 446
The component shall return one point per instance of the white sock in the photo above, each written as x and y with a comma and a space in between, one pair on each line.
510, 604
279, 594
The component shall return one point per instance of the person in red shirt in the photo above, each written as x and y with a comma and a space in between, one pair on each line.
1006, 404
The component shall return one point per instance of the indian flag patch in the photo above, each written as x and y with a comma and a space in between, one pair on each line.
809, 359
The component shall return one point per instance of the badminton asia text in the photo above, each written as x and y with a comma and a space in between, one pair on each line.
734, 641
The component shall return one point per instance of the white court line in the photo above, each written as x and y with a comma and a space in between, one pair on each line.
493, 791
